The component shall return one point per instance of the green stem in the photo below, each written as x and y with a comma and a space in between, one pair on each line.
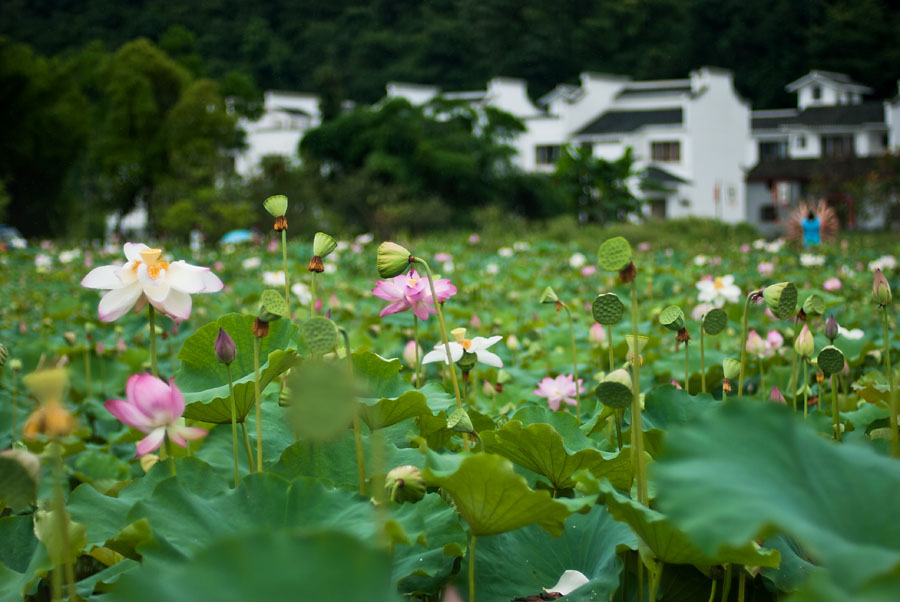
687, 388
168, 445
726, 583
637, 439
357, 432
472, 567
153, 340
247, 447
762, 377
655, 577
63, 524
805, 388
835, 416
312, 294
416, 382
609, 340
234, 437
889, 373
574, 362
259, 452
742, 584
287, 281
702, 366
15, 409
618, 415
712, 591
743, 344
87, 368
793, 386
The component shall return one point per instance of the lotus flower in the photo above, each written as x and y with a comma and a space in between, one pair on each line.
559, 389
476, 346
718, 290
145, 277
155, 408
411, 291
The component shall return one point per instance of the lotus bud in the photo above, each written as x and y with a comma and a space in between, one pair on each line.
777, 396
4, 355
405, 484
731, 368
881, 289
755, 343
224, 347
409, 354
549, 296
489, 390
804, 344
781, 299
596, 334
831, 328
70, 337
512, 343
392, 259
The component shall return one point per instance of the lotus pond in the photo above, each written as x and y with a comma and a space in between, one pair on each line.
465, 417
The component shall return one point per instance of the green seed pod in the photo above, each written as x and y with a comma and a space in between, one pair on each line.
614, 254
672, 318
607, 309
467, 361
830, 360
271, 306
391, 259
320, 335
4, 355
616, 389
323, 245
781, 299
814, 305
15, 364
276, 205
731, 368
460, 422
715, 321
549, 296
405, 484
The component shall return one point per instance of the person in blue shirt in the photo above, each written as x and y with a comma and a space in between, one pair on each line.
811, 227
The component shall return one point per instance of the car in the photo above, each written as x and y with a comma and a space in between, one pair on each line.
10, 237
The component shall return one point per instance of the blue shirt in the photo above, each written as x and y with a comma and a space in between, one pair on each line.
811, 232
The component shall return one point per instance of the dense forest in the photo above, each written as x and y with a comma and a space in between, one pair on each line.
352, 47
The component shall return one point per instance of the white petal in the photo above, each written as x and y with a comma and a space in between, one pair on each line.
185, 277
156, 290
117, 302
479, 343
440, 355
102, 277
177, 305
133, 250
569, 582
211, 282
488, 358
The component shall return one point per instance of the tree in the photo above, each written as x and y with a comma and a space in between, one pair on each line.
597, 189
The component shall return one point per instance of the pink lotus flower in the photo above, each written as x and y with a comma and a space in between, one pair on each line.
559, 389
643, 246
443, 257
774, 340
146, 277
411, 291
832, 284
589, 270
765, 268
596, 334
755, 344
155, 408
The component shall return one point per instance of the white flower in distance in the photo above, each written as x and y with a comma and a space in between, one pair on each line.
273, 278
145, 277
251, 263
884, 263
477, 345
718, 290
302, 291
577, 260
809, 260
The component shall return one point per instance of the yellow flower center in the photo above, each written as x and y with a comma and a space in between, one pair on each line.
466, 343
718, 284
412, 281
151, 258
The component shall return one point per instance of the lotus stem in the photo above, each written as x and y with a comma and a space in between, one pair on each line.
153, 368
259, 451
312, 294
63, 526
655, 576
574, 362
472, 540
618, 421
726, 583
793, 386
357, 433
234, 437
712, 591
702, 365
168, 444
287, 280
743, 344
687, 388
762, 376
612, 359
87, 367
637, 439
247, 447
805, 389
835, 416
895, 436
742, 584
416, 382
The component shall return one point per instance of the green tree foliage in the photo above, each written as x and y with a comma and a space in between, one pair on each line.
597, 189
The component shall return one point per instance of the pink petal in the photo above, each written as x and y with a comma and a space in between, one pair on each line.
151, 441
128, 414
177, 398
102, 277
420, 310
154, 398
394, 308
179, 434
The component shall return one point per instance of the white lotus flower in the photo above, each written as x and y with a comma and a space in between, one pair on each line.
809, 260
718, 290
251, 263
302, 291
577, 260
854, 334
884, 263
145, 277
273, 278
505, 252
477, 345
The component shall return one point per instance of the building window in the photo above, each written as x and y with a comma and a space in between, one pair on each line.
838, 146
547, 154
800, 141
668, 151
817, 92
777, 149
768, 213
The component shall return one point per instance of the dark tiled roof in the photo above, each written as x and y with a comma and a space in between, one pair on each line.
859, 114
660, 175
613, 122
661, 90
807, 169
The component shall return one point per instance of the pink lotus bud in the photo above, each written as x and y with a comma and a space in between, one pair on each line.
409, 354
597, 334
776, 395
831, 328
755, 343
804, 344
120, 346
881, 289
100, 348
224, 347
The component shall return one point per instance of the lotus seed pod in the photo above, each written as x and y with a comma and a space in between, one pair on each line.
715, 321
320, 335
4, 355
272, 306
549, 296
48, 386
460, 422
607, 309
804, 344
781, 299
881, 289
830, 360
50, 419
323, 244
224, 347
672, 318
832, 330
15, 364
731, 368
814, 305
405, 484
614, 254
616, 389
392, 259
276, 205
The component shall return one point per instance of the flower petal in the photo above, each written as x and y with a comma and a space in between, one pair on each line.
479, 343
128, 414
151, 441
156, 289
177, 398
154, 398
185, 277
102, 277
177, 305
394, 308
488, 358
179, 434
117, 302
133, 250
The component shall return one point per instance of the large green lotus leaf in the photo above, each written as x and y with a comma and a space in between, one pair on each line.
489, 494
820, 588
263, 566
19, 542
378, 377
523, 561
794, 570
17, 486
668, 406
751, 469
539, 448
388, 411
564, 423
14, 584
671, 545
204, 380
